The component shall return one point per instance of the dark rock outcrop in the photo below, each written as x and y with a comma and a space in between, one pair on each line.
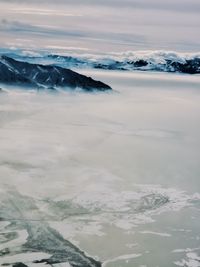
45, 76
191, 66
19, 264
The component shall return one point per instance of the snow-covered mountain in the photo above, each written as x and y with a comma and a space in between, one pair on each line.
164, 61
45, 76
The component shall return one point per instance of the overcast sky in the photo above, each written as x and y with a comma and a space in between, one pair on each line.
103, 25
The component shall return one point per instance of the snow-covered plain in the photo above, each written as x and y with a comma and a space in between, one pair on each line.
116, 174
106, 170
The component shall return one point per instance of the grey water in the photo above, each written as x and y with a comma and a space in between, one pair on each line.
114, 174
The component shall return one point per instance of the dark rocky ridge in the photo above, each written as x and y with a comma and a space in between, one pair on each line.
45, 76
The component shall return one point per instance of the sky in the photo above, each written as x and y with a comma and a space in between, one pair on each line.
92, 26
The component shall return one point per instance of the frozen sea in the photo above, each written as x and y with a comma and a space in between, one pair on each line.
116, 173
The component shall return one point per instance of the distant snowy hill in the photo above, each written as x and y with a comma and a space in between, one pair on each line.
141, 60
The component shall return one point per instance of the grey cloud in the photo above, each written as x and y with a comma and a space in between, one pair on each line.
17, 26
173, 5
111, 24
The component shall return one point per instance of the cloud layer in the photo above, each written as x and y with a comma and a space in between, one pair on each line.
110, 25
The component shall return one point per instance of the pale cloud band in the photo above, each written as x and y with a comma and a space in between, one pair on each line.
104, 25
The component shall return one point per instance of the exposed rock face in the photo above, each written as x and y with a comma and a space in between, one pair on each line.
45, 76
19, 264
191, 66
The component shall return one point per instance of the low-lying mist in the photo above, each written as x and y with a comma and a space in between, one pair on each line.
50, 141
